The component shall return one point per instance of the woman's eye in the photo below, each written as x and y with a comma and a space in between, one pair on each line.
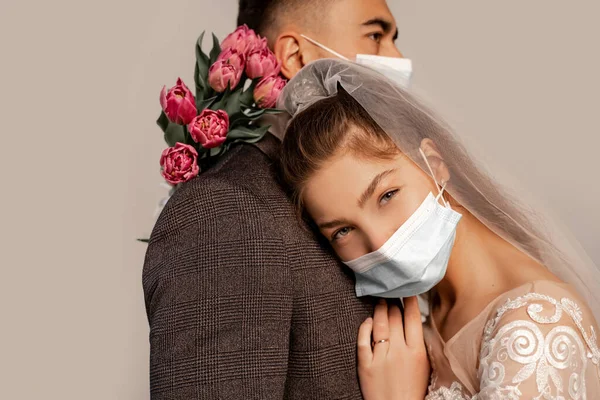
340, 233
376, 37
388, 196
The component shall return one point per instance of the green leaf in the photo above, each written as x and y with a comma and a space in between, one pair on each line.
219, 105
238, 119
144, 240
246, 134
200, 84
206, 103
226, 147
262, 130
174, 133
247, 98
201, 70
238, 122
257, 135
251, 110
255, 140
216, 50
202, 152
232, 105
240, 132
187, 138
163, 121
254, 112
273, 111
216, 151
243, 119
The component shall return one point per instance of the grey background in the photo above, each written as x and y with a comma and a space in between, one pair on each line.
519, 80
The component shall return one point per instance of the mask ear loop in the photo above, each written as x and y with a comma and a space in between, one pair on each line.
440, 196
335, 53
440, 189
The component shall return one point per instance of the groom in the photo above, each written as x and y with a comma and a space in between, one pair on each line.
243, 302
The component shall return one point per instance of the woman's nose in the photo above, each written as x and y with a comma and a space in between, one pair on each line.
376, 238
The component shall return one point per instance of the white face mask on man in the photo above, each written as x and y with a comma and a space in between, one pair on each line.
398, 70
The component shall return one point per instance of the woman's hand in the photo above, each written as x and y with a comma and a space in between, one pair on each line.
394, 365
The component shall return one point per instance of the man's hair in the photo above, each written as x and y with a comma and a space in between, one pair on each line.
265, 16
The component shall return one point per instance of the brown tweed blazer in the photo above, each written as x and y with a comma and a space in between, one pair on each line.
244, 303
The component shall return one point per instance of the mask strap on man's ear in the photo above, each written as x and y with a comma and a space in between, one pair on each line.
335, 53
439, 188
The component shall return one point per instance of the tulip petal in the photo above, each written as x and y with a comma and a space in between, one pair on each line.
163, 97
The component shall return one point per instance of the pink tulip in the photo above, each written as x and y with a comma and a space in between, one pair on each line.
268, 90
243, 39
210, 128
179, 164
260, 43
262, 63
178, 103
233, 57
222, 73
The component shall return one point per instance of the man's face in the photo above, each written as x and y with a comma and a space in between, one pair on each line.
358, 27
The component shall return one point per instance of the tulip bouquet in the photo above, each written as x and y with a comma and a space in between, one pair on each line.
235, 84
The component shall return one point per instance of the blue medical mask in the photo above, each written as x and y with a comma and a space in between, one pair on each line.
415, 258
396, 69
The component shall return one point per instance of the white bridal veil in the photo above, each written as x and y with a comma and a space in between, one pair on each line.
408, 122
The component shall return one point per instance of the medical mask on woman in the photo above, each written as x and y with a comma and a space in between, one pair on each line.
415, 258
396, 69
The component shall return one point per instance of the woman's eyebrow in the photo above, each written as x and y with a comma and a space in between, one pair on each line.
372, 187
333, 224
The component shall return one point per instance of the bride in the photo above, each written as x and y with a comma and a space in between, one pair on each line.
512, 310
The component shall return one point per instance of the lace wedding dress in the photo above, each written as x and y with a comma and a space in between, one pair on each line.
537, 341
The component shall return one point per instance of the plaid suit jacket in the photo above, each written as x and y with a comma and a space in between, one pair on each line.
242, 301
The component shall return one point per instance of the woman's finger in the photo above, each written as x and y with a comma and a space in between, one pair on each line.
365, 352
381, 329
413, 327
396, 326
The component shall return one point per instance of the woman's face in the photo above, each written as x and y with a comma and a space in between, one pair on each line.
358, 203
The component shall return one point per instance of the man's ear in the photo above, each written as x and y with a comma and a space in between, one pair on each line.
436, 161
293, 53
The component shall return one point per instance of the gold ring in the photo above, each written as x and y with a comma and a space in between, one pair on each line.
379, 341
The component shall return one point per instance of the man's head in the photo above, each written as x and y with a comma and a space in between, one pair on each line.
349, 27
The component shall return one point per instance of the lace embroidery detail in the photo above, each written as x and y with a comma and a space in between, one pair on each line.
523, 342
534, 310
454, 392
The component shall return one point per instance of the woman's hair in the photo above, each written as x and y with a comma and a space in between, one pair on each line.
332, 126
338, 124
